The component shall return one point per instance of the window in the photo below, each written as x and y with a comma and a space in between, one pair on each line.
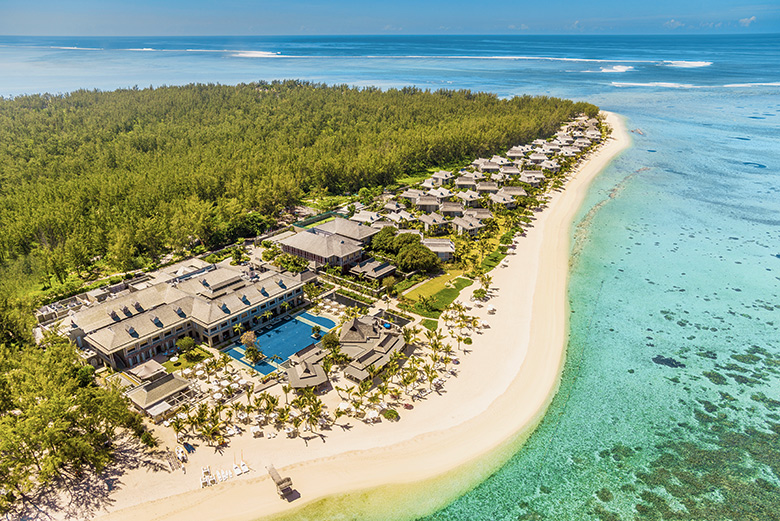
223, 324
156, 339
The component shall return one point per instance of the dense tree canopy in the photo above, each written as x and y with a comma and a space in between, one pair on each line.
53, 418
136, 172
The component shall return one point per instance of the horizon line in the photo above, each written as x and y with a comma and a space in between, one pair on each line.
393, 35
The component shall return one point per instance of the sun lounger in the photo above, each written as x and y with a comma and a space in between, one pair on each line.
237, 470
244, 467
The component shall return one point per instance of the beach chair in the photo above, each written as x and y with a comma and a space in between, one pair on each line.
237, 470
244, 467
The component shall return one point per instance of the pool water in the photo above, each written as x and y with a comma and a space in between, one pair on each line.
284, 340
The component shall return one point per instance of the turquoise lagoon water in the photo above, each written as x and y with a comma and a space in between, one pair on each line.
283, 340
669, 406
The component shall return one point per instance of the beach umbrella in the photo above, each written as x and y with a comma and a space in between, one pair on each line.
200, 373
182, 416
187, 371
224, 383
217, 396
242, 382
174, 359
234, 385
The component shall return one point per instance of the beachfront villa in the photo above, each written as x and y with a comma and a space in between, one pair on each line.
443, 248
369, 342
130, 327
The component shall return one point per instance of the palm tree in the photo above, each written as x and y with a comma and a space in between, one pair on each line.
211, 432
250, 390
238, 328
217, 410
286, 388
285, 305
296, 423
431, 374
267, 315
485, 280
178, 425
408, 334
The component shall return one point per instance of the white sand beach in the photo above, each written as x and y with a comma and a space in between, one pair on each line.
504, 386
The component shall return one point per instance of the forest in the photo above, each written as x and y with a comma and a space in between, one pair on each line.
121, 177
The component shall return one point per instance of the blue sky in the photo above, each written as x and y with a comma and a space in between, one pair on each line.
315, 17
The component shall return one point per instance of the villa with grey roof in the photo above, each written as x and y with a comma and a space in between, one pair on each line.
369, 342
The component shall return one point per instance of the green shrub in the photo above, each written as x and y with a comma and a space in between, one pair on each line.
148, 440
391, 414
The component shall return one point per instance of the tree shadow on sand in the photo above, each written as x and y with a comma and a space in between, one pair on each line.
88, 495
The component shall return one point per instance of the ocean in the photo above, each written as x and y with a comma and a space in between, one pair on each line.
669, 406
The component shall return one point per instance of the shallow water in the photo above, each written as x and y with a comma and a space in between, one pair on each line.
670, 402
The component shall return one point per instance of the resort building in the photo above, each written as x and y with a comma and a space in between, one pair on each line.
513, 191
451, 209
372, 269
478, 213
411, 194
365, 217
443, 248
400, 216
206, 305
324, 249
467, 225
504, 200
346, 228
434, 223
489, 166
158, 398
441, 177
466, 181
440, 193
487, 188
305, 369
469, 197
393, 206
369, 342
427, 203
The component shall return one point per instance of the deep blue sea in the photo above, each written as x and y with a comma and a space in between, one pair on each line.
670, 402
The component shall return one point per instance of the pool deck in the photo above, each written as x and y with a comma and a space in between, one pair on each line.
264, 333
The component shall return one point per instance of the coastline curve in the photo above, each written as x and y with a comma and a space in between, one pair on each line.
427, 469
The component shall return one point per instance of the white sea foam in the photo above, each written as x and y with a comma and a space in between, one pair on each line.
145, 49
664, 84
745, 85
686, 64
256, 54
615, 68
77, 48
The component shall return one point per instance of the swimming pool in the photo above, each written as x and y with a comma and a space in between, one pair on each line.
284, 340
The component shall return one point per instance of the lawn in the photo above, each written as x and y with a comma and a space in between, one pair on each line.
318, 223
413, 179
434, 285
492, 260
183, 363
430, 324
440, 299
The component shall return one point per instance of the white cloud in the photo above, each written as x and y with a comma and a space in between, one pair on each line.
673, 24
745, 22
521, 27
576, 25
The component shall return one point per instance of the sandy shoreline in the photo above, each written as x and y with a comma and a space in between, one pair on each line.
475, 425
